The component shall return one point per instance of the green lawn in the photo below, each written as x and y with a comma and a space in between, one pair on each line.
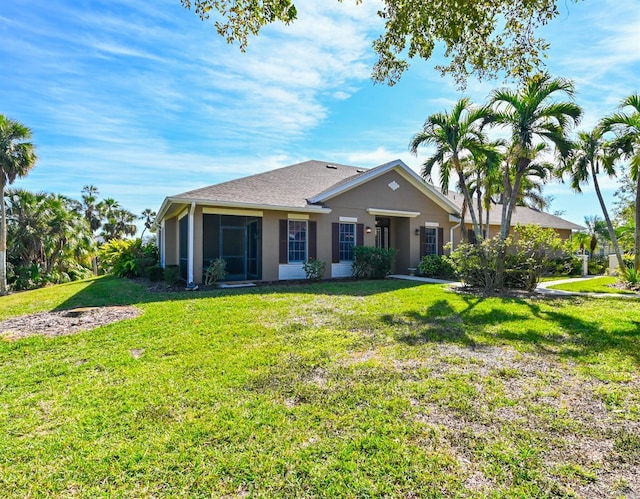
357, 389
597, 285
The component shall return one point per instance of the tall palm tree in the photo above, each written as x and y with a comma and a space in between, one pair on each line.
533, 117
148, 215
90, 206
588, 157
626, 126
455, 135
17, 157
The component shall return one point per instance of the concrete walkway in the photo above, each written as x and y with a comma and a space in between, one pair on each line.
543, 287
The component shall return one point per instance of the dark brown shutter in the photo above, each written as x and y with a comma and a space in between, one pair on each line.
423, 242
359, 234
471, 236
313, 245
335, 243
440, 241
284, 241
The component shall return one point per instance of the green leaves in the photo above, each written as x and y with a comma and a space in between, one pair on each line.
481, 39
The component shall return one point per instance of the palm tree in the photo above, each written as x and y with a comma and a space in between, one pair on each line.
627, 143
589, 156
17, 157
532, 116
148, 216
90, 206
455, 135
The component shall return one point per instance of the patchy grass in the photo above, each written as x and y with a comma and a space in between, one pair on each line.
596, 285
383, 388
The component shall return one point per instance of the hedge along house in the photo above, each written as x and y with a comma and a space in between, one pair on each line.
266, 226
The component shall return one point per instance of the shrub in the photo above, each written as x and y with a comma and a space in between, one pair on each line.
630, 277
127, 257
598, 265
436, 266
528, 254
26, 277
314, 269
370, 262
143, 264
171, 274
215, 271
565, 266
156, 273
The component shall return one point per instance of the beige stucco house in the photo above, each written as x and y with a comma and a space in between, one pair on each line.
267, 225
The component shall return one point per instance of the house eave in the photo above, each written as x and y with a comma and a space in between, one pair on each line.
170, 201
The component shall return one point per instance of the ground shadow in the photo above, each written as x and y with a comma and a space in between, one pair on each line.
566, 335
109, 290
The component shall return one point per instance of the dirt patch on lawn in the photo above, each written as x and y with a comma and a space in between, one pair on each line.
64, 322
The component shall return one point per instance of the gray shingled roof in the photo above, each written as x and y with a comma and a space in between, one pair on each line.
521, 215
288, 186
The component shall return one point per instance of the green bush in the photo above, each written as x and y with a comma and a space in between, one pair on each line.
215, 271
156, 273
143, 264
598, 265
127, 257
436, 266
528, 254
26, 277
171, 274
565, 266
630, 277
370, 262
314, 269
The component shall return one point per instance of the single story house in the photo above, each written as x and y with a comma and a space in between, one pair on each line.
266, 226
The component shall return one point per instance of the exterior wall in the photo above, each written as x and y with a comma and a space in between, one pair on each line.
270, 244
197, 245
378, 194
171, 241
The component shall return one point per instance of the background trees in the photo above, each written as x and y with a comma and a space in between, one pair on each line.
17, 157
588, 157
626, 126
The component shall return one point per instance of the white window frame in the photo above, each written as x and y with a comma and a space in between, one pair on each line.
340, 242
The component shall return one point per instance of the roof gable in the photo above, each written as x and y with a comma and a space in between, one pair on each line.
398, 166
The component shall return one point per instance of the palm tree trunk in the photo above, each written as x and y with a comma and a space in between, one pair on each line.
3, 240
467, 197
605, 213
636, 260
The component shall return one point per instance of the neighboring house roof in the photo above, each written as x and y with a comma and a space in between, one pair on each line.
303, 186
521, 215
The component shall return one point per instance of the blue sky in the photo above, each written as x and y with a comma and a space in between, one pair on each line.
144, 100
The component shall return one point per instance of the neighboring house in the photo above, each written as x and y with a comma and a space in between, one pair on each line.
522, 215
267, 225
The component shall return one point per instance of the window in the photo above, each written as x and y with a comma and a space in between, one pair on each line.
347, 241
297, 241
431, 241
